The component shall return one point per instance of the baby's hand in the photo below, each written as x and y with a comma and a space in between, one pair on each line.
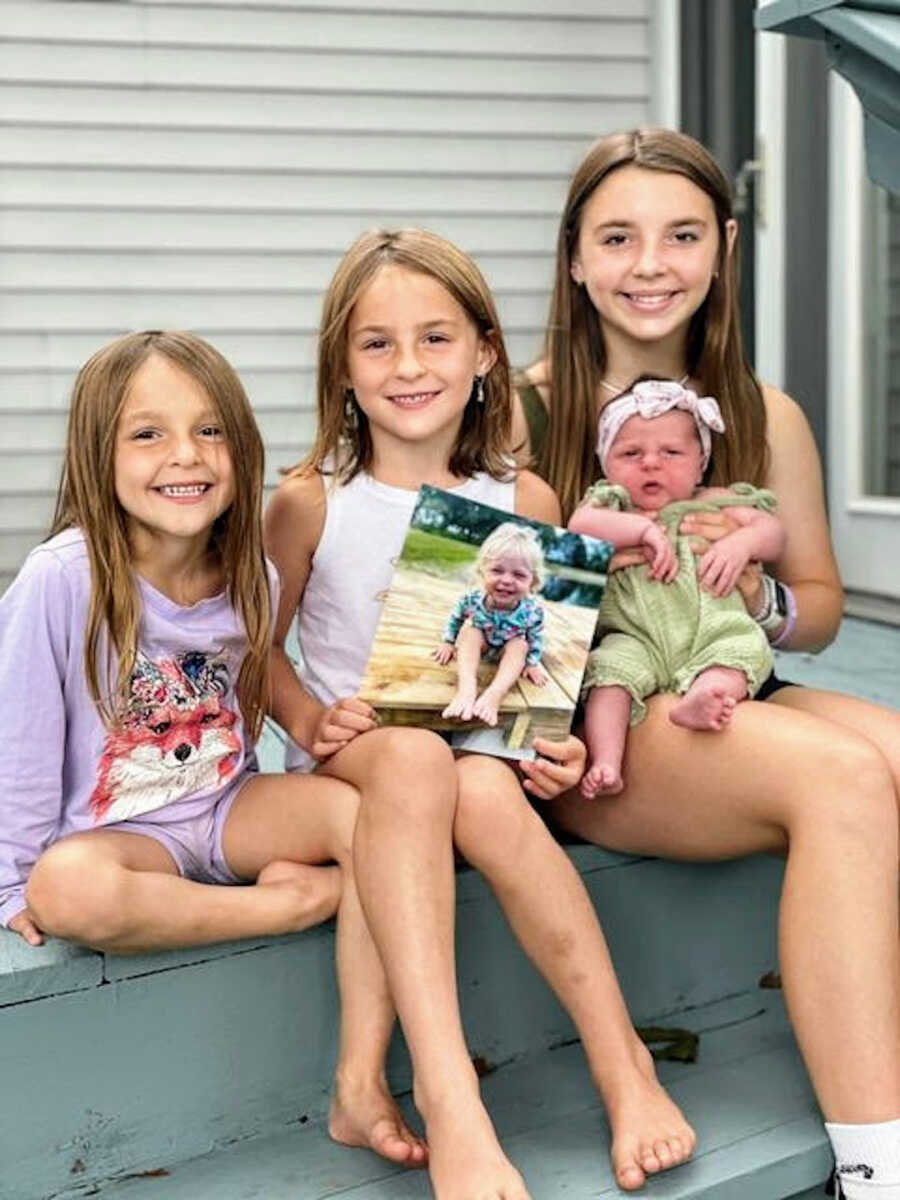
340, 724
444, 653
535, 674
664, 563
721, 566
559, 768
23, 924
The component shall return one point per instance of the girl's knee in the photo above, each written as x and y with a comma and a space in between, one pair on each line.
493, 815
73, 893
856, 793
410, 769
418, 754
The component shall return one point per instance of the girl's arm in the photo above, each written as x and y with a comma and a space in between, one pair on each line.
293, 526
536, 499
34, 649
807, 563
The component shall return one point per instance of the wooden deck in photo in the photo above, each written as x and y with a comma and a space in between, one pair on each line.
407, 687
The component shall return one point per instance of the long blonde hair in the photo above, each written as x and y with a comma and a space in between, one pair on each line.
575, 349
484, 436
87, 499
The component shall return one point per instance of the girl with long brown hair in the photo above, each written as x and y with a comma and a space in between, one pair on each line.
414, 389
134, 659
646, 284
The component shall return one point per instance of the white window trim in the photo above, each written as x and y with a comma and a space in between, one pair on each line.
666, 41
771, 67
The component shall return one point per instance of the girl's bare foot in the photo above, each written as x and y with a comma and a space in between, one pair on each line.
368, 1116
487, 706
603, 779
710, 701
462, 703
465, 1160
649, 1133
301, 895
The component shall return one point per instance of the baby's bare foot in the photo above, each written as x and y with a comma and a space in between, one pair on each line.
301, 894
704, 708
465, 1160
462, 704
487, 706
603, 779
649, 1132
368, 1116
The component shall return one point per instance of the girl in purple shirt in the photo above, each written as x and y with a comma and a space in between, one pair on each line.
134, 678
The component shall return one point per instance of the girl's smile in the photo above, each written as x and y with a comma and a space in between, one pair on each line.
507, 580
173, 469
647, 251
412, 355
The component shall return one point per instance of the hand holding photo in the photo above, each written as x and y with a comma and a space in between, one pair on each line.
486, 626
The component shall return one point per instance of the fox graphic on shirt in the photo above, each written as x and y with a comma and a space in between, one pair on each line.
175, 739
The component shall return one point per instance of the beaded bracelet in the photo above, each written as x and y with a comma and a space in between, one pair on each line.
790, 623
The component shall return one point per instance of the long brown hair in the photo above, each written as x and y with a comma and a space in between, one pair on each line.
575, 349
87, 499
484, 436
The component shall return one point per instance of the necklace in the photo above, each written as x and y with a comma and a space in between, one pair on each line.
615, 388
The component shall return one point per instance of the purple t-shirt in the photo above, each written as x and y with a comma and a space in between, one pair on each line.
178, 747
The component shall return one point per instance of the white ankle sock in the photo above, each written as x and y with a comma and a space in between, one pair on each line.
868, 1159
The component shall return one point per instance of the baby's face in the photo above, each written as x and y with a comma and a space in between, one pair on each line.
507, 580
657, 461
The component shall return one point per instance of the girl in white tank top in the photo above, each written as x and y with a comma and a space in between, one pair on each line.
414, 388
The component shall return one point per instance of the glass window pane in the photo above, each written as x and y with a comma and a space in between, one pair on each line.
882, 350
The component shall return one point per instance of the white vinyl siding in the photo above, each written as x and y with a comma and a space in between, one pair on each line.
203, 165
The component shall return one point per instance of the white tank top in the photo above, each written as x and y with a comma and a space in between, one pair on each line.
365, 525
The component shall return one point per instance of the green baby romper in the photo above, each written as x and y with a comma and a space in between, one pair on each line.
657, 637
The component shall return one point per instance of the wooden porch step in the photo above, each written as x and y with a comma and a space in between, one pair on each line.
760, 1134
132, 1064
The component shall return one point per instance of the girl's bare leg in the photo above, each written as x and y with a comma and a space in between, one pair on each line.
551, 914
280, 822
403, 854
877, 724
469, 649
121, 892
512, 661
780, 781
606, 728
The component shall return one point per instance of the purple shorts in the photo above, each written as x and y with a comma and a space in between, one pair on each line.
195, 845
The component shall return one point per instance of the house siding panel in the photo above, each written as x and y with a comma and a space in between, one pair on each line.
204, 165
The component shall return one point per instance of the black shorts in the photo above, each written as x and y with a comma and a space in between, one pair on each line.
772, 685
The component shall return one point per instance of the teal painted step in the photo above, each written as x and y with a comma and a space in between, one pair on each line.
134, 1063
760, 1133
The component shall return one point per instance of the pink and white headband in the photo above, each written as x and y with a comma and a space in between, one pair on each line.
651, 398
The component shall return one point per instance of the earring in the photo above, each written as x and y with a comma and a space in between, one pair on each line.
350, 418
479, 389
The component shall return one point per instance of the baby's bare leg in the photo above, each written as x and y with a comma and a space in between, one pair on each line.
710, 701
469, 649
512, 660
606, 728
